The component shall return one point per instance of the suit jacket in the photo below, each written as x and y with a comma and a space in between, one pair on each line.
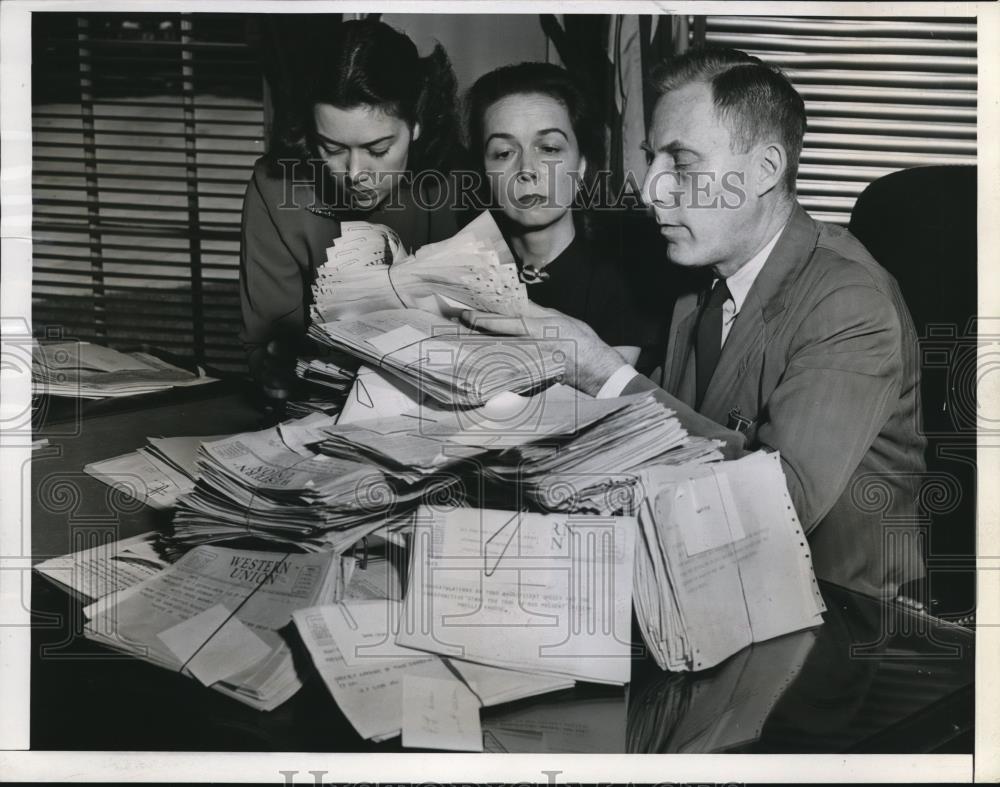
822, 358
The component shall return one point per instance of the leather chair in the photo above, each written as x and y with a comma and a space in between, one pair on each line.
920, 224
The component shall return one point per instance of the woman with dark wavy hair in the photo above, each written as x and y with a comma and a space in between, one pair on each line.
369, 118
538, 140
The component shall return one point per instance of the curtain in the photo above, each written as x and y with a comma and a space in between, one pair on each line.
613, 54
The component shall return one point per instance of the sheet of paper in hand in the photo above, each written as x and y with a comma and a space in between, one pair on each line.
367, 270
441, 359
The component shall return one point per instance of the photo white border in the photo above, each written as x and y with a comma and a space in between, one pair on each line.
15, 304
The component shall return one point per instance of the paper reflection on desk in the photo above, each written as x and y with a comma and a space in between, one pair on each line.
719, 709
563, 724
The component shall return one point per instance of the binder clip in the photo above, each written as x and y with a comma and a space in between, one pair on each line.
739, 423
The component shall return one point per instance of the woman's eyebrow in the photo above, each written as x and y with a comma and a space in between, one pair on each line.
545, 131
329, 141
539, 133
386, 138
499, 135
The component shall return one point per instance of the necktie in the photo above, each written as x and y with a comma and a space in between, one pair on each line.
708, 340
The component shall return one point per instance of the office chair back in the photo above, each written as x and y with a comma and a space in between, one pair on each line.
920, 224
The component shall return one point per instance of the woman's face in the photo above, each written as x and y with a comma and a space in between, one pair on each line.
532, 158
365, 150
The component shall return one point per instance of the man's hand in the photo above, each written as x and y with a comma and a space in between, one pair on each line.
594, 361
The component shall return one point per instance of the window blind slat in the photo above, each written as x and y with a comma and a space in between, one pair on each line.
891, 144
111, 205
907, 28
884, 111
133, 132
925, 66
840, 77
829, 46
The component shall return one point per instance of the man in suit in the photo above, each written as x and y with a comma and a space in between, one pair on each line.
798, 341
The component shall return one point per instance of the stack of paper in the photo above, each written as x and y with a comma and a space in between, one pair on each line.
324, 485
543, 593
272, 485
93, 573
353, 647
366, 270
216, 615
354, 279
591, 466
722, 561
396, 446
156, 474
560, 449
89, 371
324, 385
443, 359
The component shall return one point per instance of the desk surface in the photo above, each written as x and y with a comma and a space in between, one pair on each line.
873, 678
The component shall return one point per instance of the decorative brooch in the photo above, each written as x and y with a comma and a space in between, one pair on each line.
531, 275
324, 210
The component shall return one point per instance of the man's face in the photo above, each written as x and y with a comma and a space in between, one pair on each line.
701, 192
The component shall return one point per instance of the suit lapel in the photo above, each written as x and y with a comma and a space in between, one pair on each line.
744, 348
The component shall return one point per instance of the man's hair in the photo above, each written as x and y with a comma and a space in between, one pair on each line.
755, 99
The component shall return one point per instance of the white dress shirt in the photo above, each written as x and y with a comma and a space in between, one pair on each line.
739, 286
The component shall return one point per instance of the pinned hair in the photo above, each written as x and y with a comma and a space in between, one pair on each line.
369, 63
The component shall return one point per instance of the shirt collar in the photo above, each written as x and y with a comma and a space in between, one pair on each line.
740, 282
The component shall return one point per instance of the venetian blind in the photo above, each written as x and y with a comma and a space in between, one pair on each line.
881, 95
145, 129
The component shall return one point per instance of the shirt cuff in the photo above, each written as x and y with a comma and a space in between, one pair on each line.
616, 383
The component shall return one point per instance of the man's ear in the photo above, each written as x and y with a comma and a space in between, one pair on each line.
416, 133
770, 164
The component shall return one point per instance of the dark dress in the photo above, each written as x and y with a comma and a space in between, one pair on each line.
605, 278
286, 231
